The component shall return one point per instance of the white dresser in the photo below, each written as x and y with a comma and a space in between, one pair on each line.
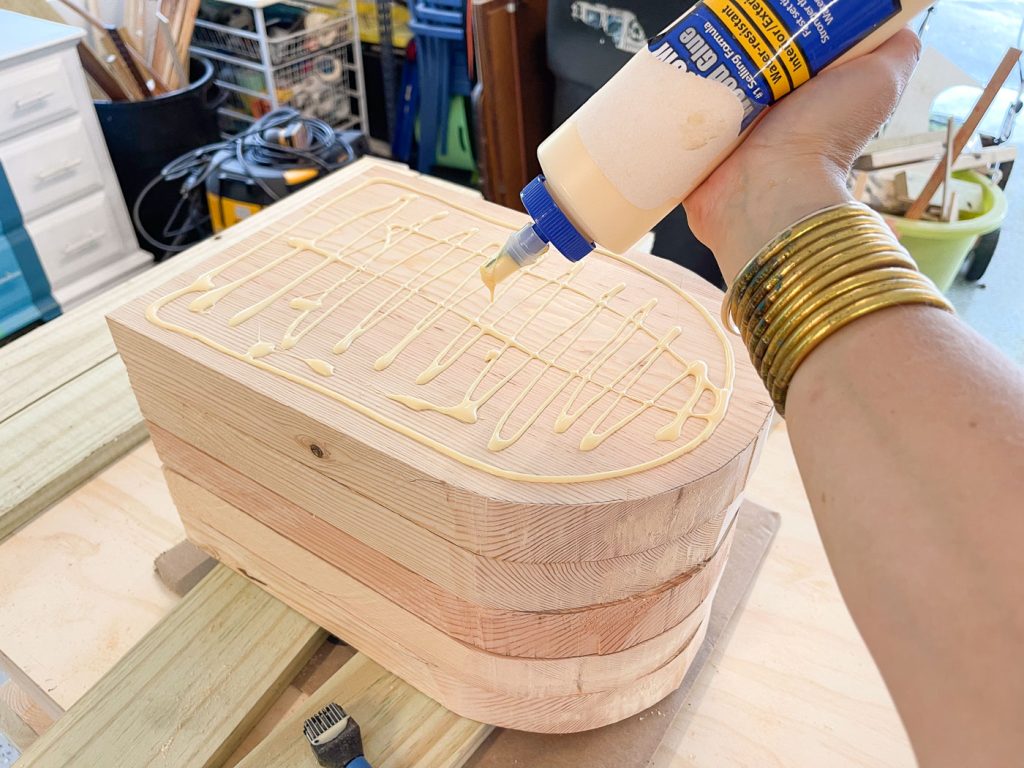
59, 197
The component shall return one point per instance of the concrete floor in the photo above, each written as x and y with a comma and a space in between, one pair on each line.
994, 306
975, 34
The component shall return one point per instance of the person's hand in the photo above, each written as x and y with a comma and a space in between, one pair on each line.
796, 160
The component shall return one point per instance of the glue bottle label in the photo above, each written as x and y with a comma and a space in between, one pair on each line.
763, 49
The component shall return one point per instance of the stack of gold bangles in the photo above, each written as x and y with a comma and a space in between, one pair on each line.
818, 276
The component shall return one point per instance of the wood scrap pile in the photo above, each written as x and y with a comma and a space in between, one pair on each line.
521, 508
913, 176
144, 54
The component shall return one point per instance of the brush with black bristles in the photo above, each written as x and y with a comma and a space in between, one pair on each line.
335, 738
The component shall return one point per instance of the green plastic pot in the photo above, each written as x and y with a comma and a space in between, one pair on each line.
940, 247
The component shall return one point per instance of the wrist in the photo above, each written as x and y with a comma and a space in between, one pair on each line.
739, 213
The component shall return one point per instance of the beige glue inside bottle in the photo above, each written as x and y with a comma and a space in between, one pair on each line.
675, 111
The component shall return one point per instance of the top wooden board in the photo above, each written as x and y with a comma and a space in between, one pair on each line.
364, 308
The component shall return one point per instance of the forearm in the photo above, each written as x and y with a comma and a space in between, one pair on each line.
909, 433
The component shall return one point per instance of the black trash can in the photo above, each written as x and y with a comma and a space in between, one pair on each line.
144, 136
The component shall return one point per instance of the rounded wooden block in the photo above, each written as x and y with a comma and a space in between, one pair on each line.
595, 630
487, 582
585, 690
399, 394
570, 713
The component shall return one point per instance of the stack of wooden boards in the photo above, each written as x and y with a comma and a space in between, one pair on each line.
145, 54
522, 508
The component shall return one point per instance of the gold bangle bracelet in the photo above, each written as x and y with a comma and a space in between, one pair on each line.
789, 328
815, 278
774, 367
820, 221
921, 296
819, 251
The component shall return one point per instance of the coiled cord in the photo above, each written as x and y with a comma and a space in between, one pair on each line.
250, 148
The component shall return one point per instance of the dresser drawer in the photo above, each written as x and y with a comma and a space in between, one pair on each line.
50, 166
14, 290
76, 239
34, 93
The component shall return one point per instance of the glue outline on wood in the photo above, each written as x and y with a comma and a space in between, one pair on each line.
466, 410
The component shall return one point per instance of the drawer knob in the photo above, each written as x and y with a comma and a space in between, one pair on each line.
59, 170
31, 101
91, 240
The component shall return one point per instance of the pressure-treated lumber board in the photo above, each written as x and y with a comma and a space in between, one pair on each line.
517, 677
429, 737
322, 665
187, 693
20, 720
66, 408
596, 630
64, 438
395, 638
489, 582
516, 520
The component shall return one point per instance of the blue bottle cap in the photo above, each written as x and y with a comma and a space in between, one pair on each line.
551, 223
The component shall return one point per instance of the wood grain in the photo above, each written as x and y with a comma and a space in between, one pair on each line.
429, 736
594, 630
88, 560
21, 720
187, 693
407, 646
488, 582
393, 624
485, 514
66, 408
352, 424
507, 530
794, 685
278, 264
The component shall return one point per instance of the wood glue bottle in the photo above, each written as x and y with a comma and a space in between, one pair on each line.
675, 111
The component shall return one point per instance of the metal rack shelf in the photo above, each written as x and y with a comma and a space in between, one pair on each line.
318, 70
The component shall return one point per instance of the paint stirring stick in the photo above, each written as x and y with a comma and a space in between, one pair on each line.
967, 130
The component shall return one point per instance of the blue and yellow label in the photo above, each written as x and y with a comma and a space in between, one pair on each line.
763, 49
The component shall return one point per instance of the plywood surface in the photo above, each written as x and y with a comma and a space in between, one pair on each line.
88, 561
66, 408
796, 685
366, 311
